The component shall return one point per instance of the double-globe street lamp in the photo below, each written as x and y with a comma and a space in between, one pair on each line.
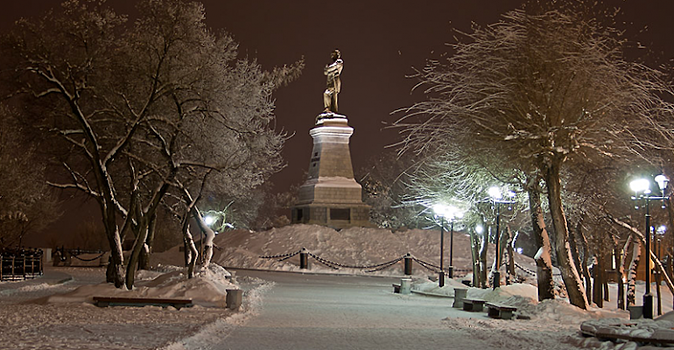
642, 190
450, 213
496, 197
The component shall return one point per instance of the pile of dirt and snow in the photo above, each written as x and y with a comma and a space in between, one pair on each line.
356, 246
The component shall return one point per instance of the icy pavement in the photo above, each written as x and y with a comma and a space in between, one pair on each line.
347, 312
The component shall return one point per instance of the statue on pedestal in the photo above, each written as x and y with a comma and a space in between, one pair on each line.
334, 82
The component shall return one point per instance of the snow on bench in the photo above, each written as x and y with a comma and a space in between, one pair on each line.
641, 331
473, 305
500, 311
123, 301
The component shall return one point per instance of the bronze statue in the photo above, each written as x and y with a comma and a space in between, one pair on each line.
334, 83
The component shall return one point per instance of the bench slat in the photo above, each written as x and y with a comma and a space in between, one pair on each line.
137, 301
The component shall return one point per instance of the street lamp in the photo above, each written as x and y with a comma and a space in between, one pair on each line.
450, 213
496, 196
659, 232
642, 190
209, 220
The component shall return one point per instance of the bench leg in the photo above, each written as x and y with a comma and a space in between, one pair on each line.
506, 314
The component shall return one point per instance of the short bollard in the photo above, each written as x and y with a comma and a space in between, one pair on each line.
234, 298
408, 264
459, 295
304, 260
405, 286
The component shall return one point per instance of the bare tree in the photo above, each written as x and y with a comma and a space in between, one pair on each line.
537, 89
140, 106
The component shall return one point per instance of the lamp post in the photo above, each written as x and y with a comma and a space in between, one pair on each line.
496, 196
660, 232
451, 213
642, 190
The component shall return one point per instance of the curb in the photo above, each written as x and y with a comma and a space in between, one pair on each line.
311, 273
62, 281
435, 295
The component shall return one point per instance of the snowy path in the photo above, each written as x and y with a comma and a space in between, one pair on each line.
340, 312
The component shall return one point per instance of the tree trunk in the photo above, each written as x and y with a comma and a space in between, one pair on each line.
583, 264
191, 251
141, 236
572, 282
115, 271
632, 274
144, 263
511, 276
598, 286
483, 260
620, 265
546, 286
576, 236
210, 236
474, 243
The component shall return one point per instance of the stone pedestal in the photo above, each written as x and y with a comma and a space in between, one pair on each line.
331, 196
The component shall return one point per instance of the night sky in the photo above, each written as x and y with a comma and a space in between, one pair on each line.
380, 41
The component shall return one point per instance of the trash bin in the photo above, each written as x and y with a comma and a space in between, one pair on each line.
405, 286
459, 295
636, 312
234, 298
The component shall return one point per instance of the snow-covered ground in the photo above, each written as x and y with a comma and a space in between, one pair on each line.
49, 313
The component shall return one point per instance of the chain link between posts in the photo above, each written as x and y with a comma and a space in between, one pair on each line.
86, 260
377, 267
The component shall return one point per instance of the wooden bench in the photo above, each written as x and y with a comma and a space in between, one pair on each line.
617, 331
122, 301
473, 305
500, 311
396, 287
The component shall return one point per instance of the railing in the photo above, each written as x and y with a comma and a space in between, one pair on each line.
19, 264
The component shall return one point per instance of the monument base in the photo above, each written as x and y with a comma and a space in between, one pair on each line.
331, 196
332, 215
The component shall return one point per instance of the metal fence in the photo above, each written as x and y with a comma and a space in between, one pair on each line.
18, 264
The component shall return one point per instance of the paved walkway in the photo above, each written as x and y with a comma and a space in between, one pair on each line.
54, 280
344, 312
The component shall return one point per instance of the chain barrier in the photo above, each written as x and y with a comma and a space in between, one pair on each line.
527, 271
323, 261
335, 265
92, 259
389, 264
289, 255
378, 267
427, 265
532, 272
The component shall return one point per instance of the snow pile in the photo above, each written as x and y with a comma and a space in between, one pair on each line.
222, 327
208, 288
35, 316
353, 246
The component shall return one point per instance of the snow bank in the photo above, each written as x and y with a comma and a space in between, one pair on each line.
353, 246
208, 288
